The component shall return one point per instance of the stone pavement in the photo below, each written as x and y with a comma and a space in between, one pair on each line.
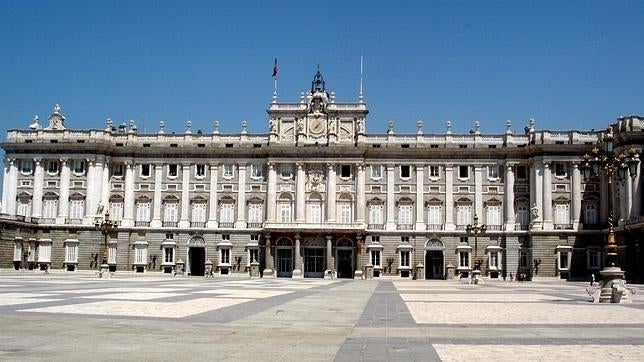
76, 316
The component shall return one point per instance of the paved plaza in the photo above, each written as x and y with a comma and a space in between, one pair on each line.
76, 316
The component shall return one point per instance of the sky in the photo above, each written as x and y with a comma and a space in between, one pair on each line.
567, 64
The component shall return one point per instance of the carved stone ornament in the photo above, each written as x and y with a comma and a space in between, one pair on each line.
315, 181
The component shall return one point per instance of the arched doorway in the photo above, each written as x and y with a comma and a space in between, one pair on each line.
314, 258
344, 259
196, 258
284, 258
434, 259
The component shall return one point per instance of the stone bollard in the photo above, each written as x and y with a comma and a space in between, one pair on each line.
254, 270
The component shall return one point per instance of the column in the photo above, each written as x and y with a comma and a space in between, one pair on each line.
360, 194
212, 202
330, 192
38, 189
297, 268
329, 253
10, 189
268, 258
603, 198
636, 209
184, 220
622, 201
271, 198
360, 251
105, 182
547, 196
575, 198
241, 197
536, 194
449, 197
156, 203
63, 195
420, 197
94, 198
628, 196
390, 215
509, 196
92, 187
478, 191
300, 194
128, 204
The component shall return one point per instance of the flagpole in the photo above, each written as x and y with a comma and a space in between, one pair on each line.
361, 95
275, 81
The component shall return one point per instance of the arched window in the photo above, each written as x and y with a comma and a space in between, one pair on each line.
345, 209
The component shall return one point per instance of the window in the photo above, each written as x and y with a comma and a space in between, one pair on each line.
494, 260
227, 213
224, 256
76, 209
256, 171
255, 213
404, 214
562, 216
345, 171
17, 251
315, 213
522, 173
375, 238
590, 213
563, 259
229, 171
79, 167
173, 170
170, 211
405, 171
169, 236
254, 237
117, 170
494, 215
463, 259
375, 258
375, 214
493, 172
168, 255
463, 214
24, 207
199, 212
71, 253
404, 239
111, 254
434, 172
200, 171
376, 172
253, 255
463, 172
225, 237
345, 213
434, 215
286, 171
143, 211
52, 167
523, 217
560, 169
44, 252
285, 212
145, 170
26, 167
594, 259
50, 208
140, 255
523, 259
404, 258
116, 210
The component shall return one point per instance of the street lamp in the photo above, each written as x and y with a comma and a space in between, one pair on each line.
612, 165
476, 229
106, 227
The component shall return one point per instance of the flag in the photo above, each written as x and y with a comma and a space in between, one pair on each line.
275, 68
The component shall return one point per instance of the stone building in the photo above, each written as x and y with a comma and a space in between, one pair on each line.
316, 194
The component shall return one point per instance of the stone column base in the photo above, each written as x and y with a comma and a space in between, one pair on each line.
268, 273
297, 274
358, 274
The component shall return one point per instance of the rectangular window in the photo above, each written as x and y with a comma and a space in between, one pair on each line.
24, 208
17, 251
255, 213
404, 215
50, 208
463, 172
375, 258
168, 255
117, 170
463, 214
523, 259
434, 172
522, 173
71, 253
26, 167
253, 255
375, 214
44, 253
345, 171
52, 167
169, 236
140, 255
594, 259
227, 213
564, 260
434, 215
116, 211
256, 171
76, 209
200, 171
173, 170
404, 239
590, 213
345, 213
286, 171
143, 211
79, 167
562, 216
463, 259
225, 237
285, 212
560, 169
375, 238
376, 172
405, 171
111, 254
170, 212
224, 256
199, 212
315, 213
404, 258
145, 170
523, 217
493, 172
494, 260
494, 215
229, 170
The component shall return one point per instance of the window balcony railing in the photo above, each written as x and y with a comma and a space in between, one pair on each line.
376, 226
494, 227
461, 227
48, 220
170, 224
141, 223
434, 226
521, 226
74, 221
254, 225
226, 225
405, 227
563, 226
197, 224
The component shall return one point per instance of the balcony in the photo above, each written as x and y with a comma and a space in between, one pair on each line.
170, 224
142, 223
254, 225
376, 226
494, 227
306, 226
563, 226
435, 227
48, 220
521, 226
405, 226
461, 227
197, 224
226, 225
74, 221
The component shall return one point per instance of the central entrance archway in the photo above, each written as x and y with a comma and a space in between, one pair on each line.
196, 258
434, 260
344, 259
284, 258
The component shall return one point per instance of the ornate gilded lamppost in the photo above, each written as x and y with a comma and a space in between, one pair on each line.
621, 165
106, 227
475, 230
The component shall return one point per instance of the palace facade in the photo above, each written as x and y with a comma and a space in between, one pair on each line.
316, 195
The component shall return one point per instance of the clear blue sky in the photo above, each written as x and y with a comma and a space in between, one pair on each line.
568, 64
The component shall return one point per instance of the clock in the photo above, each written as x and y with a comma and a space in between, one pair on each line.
316, 126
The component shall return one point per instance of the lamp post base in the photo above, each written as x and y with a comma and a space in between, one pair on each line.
476, 276
613, 289
105, 270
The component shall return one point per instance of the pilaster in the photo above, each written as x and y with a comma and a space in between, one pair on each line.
300, 193
271, 198
390, 215
509, 196
212, 202
420, 197
449, 197
330, 192
547, 196
575, 195
63, 195
128, 204
360, 193
38, 189
241, 197
156, 203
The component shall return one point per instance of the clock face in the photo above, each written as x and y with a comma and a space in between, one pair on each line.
316, 126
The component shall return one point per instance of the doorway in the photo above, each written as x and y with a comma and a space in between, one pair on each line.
344, 259
284, 261
197, 259
314, 262
434, 264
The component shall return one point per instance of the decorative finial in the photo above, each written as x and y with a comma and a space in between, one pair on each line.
133, 127
215, 127
477, 127
35, 123
508, 127
57, 108
419, 127
56, 119
109, 125
448, 127
244, 128
390, 127
188, 127
161, 127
